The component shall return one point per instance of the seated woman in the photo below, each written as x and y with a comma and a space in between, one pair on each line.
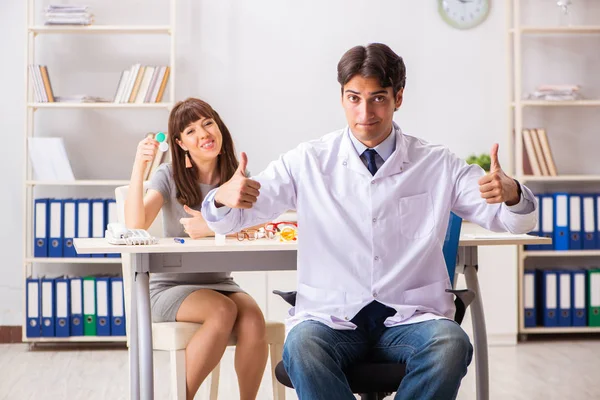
203, 157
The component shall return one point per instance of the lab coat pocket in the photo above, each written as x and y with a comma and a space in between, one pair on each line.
319, 299
432, 297
416, 216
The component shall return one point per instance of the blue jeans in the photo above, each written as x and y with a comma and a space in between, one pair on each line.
436, 353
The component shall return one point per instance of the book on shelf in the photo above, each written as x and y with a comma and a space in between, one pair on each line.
40, 82
567, 92
64, 14
49, 159
537, 155
142, 84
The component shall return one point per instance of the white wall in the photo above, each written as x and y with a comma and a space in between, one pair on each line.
269, 68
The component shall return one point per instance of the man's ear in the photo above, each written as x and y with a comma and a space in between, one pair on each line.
398, 99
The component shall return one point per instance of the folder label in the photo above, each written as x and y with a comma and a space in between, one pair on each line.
47, 300
89, 301
561, 207
55, 219
588, 214
61, 300
69, 219
551, 291
84, 220
98, 225
76, 296
547, 223
117, 299
32, 304
579, 295
102, 296
40, 220
528, 288
565, 291
575, 213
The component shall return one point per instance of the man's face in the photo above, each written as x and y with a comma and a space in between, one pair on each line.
369, 109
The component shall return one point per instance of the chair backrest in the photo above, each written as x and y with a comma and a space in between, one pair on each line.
451, 244
156, 229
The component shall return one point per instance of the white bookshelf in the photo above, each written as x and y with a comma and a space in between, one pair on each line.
573, 103
100, 105
102, 29
73, 260
34, 31
79, 339
517, 108
560, 178
79, 182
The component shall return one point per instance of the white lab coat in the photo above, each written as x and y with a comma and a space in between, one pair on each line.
365, 238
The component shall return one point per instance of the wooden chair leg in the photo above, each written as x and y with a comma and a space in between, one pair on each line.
276, 354
214, 382
178, 386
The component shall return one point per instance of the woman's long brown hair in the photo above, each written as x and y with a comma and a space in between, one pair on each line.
186, 179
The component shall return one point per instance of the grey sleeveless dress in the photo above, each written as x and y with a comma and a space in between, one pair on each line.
168, 291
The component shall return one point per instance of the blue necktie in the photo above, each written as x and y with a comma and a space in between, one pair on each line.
370, 156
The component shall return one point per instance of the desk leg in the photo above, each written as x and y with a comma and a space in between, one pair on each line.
142, 289
478, 318
134, 354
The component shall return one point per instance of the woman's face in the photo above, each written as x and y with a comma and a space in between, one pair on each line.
203, 139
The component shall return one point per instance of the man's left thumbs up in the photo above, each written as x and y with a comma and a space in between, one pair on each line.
496, 186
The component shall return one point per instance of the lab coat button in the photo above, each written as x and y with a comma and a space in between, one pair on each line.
374, 219
374, 294
372, 182
344, 163
376, 258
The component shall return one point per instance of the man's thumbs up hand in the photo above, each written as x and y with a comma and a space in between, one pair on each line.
496, 186
239, 191
495, 164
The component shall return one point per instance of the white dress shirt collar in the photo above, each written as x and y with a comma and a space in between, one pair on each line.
384, 149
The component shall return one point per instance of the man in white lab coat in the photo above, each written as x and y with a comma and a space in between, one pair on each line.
373, 205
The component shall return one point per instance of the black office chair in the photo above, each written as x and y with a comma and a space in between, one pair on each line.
376, 380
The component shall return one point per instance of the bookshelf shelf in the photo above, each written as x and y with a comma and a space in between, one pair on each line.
100, 105
570, 103
565, 329
76, 339
102, 29
560, 178
583, 29
567, 253
75, 260
116, 182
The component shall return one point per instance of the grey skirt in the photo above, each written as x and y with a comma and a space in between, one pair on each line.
165, 300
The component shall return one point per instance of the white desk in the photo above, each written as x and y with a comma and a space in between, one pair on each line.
205, 255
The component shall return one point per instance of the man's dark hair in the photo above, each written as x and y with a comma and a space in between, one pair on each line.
375, 60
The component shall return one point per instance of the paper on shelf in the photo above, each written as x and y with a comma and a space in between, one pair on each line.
49, 159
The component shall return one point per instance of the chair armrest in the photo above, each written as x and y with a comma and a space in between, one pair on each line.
464, 297
289, 297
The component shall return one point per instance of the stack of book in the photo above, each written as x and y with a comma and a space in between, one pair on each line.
556, 93
142, 84
537, 157
42, 89
68, 15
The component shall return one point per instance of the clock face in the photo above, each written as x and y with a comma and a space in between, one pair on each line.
464, 14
